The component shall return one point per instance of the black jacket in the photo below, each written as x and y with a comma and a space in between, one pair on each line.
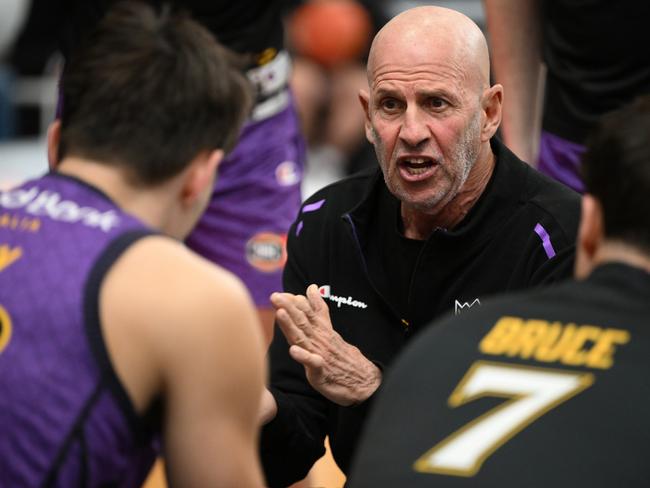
520, 233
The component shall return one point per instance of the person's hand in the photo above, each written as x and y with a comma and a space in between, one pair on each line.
333, 367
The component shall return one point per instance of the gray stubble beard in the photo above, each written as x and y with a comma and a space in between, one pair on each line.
467, 152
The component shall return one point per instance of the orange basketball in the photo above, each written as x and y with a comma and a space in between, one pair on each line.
330, 31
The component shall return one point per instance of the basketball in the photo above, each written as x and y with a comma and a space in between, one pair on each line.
331, 32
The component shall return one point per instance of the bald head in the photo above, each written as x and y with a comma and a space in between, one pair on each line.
431, 29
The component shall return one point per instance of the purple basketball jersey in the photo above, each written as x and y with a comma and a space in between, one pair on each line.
64, 416
255, 199
560, 159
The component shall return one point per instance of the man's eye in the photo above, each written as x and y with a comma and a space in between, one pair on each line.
436, 102
389, 104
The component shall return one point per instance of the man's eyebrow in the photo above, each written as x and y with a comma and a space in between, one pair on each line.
421, 94
383, 91
448, 95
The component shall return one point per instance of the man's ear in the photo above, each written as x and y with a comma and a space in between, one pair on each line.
364, 98
491, 103
200, 175
590, 235
53, 140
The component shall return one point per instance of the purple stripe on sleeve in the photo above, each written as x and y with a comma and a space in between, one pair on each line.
299, 228
313, 206
546, 240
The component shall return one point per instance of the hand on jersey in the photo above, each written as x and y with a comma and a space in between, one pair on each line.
333, 367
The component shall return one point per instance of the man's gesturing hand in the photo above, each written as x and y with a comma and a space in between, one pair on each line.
333, 367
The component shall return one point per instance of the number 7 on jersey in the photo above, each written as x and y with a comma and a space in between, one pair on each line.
531, 392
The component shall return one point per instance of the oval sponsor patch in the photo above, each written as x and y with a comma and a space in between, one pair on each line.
267, 251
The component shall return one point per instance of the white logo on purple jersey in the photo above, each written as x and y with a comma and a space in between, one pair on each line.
49, 204
287, 174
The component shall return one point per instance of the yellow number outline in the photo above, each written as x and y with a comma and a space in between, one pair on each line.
5, 328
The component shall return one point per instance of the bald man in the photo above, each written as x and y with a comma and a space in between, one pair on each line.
449, 217
515, 394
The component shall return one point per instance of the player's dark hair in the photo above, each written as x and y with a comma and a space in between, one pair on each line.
616, 170
149, 91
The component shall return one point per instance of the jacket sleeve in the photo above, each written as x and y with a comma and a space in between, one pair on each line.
294, 440
555, 235
559, 268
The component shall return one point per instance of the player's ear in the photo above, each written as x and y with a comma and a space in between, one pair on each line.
590, 235
364, 98
53, 140
201, 175
491, 103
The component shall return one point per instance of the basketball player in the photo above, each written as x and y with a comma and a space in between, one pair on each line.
547, 388
257, 195
111, 334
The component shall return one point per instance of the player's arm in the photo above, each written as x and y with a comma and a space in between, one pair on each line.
201, 346
514, 29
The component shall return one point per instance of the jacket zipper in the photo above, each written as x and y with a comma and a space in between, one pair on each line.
403, 323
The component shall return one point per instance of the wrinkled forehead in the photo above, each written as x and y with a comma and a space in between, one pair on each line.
412, 60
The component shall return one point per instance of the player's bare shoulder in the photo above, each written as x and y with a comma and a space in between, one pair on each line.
168, 279
162, 302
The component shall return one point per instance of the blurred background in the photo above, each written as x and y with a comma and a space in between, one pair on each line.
329, 40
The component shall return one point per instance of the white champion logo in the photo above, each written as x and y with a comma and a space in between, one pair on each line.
325, 292
459, 306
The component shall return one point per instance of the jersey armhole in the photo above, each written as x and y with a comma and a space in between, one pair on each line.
142, 426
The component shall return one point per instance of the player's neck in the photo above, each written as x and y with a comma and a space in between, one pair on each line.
152, 204
616, 251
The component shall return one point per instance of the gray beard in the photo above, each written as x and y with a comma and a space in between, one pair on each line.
466, 152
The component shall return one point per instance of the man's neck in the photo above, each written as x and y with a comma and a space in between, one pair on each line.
612, 251
149, 204
420, 224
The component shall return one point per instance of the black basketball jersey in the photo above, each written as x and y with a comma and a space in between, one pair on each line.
543, 389
595, 59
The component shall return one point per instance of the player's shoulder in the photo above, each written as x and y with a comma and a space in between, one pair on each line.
159, 277
158, 254
181, 312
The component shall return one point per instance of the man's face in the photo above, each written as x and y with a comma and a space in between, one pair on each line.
424, 119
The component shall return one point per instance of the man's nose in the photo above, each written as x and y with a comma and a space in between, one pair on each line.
414, 130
